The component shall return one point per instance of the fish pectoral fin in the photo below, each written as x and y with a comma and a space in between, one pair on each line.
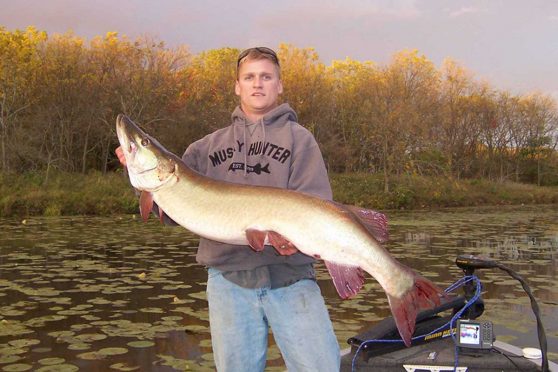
161, 215
256, 239
375, 222
348, 280
281, 244
145, 204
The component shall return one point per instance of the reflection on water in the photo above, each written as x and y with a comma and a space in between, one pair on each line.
116, 294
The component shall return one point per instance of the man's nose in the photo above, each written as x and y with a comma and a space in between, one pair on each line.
257, 82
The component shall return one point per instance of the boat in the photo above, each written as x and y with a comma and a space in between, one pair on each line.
450, 337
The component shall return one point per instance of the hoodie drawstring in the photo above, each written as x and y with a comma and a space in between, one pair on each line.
263, 138
245, 151
262, 125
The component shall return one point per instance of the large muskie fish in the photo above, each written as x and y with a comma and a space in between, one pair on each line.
342, 236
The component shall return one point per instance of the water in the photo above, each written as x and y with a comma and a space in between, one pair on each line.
113, 293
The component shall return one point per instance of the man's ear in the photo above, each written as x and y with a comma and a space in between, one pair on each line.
237, 88
280, 87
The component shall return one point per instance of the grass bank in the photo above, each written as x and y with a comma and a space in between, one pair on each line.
416, 192
98, 194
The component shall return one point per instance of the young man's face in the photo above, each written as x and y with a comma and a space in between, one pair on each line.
258, 86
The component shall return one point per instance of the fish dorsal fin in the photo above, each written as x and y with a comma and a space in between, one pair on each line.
348, 280
145, 204
375, 222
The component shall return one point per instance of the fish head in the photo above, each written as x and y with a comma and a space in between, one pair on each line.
150, 165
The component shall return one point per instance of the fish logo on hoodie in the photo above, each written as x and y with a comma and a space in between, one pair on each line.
258, 168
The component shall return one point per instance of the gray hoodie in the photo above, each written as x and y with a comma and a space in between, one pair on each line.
275, 151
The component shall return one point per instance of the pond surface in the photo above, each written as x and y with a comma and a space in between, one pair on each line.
113, 293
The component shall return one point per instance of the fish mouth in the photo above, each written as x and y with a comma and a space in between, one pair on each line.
145, 170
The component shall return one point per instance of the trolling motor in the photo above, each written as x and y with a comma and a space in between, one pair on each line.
470, 263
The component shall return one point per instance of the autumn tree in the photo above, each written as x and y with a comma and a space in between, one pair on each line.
18, 72
207, 92
540, 120
305, 86
405, 111
60, 96
139, 79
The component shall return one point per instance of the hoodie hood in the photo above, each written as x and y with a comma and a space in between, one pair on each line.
278, 116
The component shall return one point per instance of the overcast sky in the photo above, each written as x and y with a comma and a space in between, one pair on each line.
513, 44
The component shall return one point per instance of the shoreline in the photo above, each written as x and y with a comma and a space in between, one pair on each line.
68, 194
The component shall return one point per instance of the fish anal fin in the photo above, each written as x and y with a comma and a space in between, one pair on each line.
281, 244
422, 295
145, 204
256, 239
348, 280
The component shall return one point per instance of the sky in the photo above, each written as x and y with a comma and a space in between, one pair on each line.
511, 44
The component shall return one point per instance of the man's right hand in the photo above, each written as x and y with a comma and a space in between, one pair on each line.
120, 153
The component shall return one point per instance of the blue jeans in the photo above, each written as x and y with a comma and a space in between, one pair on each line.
239, 320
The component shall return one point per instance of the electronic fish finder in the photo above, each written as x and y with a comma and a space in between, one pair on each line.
473, 334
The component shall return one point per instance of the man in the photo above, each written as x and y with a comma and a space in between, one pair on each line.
249, 291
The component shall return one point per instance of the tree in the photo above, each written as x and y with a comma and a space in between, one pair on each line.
18, 67
305, 86
207, 91
405, 111
354, 94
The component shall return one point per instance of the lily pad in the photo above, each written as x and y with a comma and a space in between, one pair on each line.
140, 344
91, 355
51, 361
59, 368
123, 367
89, 337
5, 359
17, 367
24, 342
113, 351
155, 310
79, 346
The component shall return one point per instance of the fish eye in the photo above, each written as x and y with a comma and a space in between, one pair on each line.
145, 141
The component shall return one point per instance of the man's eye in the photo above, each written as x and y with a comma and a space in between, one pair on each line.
145, 142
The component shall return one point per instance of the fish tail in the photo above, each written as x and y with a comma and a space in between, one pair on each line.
423, 294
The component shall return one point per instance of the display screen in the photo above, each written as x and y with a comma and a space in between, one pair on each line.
469, 334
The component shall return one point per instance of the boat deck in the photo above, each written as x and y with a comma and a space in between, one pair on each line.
440, 355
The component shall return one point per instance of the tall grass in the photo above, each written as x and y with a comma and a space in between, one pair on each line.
97, 194
66, 194
415, 192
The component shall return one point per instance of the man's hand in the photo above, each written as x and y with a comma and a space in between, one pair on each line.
120, 153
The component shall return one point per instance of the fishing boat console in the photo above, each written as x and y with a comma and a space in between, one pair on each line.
451, 337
